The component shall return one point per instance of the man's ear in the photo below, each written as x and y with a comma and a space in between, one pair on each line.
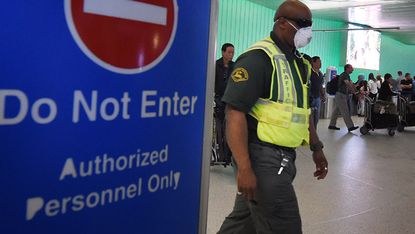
282, 23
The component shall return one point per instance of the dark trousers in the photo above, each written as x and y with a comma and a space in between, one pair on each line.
407, 95
224, 152
275, 209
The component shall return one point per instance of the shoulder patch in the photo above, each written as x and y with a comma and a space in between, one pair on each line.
239, 74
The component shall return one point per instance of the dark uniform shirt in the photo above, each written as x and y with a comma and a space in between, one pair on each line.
243, 93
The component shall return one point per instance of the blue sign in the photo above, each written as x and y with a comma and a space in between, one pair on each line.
101, 115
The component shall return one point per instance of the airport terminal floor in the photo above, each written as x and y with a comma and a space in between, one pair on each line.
370, 187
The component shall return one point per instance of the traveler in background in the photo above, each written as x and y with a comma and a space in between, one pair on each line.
224, 67
353, 101
396, 84
385, 92
413, 89
345, 87
379, 80
406, 86
373, 87
360, 79
317, 94
363, 93
267, 119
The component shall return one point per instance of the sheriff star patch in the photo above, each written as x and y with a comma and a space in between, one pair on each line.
239, 74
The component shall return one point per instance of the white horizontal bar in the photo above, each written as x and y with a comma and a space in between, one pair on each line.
127, 9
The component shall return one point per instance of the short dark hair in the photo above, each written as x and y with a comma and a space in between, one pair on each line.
400, 73
407, 74
226, 45
387, 76
347, 66
315, 58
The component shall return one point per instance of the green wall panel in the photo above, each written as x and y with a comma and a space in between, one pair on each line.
242, 23
396, 56
327, 45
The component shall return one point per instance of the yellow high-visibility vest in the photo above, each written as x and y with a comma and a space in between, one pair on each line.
280, 120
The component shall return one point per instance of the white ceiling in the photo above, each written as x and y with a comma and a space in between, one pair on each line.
373, 13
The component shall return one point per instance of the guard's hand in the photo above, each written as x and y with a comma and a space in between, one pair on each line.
246, 183
321, 164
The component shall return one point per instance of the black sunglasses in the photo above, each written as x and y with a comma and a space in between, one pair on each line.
302, 23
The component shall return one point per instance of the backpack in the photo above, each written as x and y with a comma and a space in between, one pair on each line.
331, 86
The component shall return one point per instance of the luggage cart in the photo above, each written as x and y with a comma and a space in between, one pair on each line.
406, 113
218, 156
383, 119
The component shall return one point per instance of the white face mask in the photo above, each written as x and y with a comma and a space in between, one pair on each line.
302, 37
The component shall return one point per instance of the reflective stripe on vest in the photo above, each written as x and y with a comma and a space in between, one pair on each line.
280, 120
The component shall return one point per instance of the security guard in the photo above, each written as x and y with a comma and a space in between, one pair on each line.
268, 116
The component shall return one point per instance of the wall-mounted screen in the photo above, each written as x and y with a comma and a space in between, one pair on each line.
363, 48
